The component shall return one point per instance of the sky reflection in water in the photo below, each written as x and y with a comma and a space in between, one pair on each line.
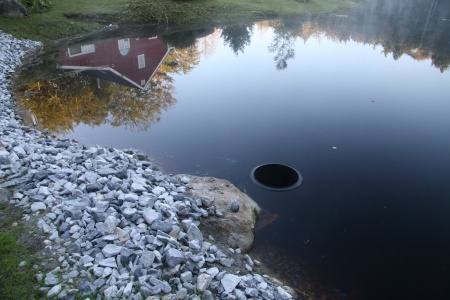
369, 213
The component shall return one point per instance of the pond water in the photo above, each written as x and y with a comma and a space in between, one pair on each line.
358, 103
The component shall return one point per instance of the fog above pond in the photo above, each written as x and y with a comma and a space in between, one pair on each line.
357, 102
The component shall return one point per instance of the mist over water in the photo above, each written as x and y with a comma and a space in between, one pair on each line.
358, 102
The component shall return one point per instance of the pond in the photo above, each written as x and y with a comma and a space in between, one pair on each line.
358, 103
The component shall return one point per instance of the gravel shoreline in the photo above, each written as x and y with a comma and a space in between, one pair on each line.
118, 228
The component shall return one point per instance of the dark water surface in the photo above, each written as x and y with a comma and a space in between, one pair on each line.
358, 103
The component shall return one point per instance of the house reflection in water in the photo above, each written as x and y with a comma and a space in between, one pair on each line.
130, 61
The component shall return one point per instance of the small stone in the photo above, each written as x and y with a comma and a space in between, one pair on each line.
213, 271
98, 216
111, 292
234, 207
122, 235
186, 276
207, 295
227, 262
86, 288
94, 187
147, 259
150, 215
185, 180
164, 226
207, 201
50, 279
128, 289
74, 229
148, 291
108, 262
111, 250
252, 292
73, 274
203, 282
111, 224
43, 190
101, 206
3, 159
91, 177
98, 271
194, 233
229, 282
131, 197
40, 175
138, 188
107, 171
129, 212
182, 293
54, 291
240, 295
111, 237
38, 206
158, 191
174, 257
163, 285
283, 294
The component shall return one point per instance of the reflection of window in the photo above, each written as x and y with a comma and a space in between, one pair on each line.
124, 46
80, 50
141, 61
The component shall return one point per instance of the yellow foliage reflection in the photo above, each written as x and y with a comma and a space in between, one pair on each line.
60, 104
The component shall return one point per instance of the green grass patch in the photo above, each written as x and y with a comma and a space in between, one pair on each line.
16, 245
284, 8
14, 280
66, 18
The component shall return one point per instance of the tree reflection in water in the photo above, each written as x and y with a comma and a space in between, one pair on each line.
237, 36
282, 45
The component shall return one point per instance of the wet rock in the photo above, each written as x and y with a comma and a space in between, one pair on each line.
235, 229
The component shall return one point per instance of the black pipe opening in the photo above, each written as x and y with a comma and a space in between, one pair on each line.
276, 177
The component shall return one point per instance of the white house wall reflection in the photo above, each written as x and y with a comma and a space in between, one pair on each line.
130, 61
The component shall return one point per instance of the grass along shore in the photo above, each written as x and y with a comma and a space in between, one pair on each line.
67, 18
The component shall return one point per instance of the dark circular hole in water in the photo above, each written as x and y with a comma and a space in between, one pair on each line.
276, 177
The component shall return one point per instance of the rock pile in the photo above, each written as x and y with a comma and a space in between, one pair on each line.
118, 228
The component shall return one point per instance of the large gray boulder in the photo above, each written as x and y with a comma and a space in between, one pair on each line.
12, 8
235, 228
